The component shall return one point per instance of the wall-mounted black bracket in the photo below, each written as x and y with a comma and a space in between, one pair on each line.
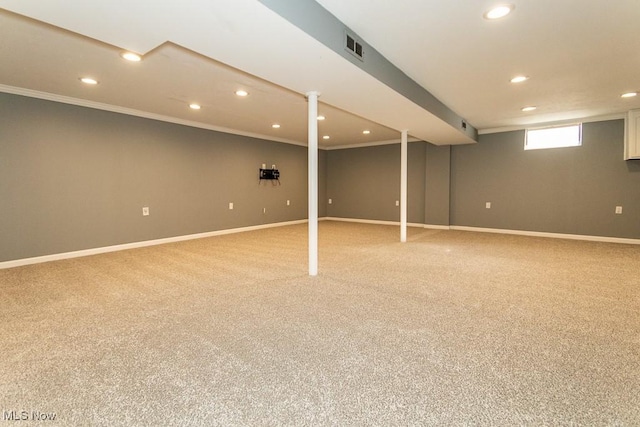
271, 175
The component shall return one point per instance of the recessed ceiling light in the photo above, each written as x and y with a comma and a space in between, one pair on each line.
531, 108
321, 117
326, 137
242, 92
88, 80
629, 95
275, 126
366, 132
194, 106
519, 79
130, 56
498, 12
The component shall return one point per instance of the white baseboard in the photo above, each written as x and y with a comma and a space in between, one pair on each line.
498, 231
114, 248
371, 221
437, 227
550, 235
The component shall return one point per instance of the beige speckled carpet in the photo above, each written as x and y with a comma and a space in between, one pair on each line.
450, 328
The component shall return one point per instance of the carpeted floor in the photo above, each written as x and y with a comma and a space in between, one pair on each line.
450, 328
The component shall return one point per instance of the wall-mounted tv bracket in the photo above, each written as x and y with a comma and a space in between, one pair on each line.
272, 175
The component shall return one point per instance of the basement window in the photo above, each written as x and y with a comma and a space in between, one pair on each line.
553, 137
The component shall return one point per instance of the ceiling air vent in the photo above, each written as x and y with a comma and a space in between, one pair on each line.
354, 46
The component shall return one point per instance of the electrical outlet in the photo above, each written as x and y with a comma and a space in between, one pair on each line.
330, 201
264, 210
487, 205
619, 210
230, 205
397, 202
288, 202
145, 211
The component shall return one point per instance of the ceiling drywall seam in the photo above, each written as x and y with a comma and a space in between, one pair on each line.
316, 21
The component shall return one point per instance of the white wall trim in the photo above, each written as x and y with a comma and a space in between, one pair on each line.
603, 239
602, 118
371, 221
550, 235
135, 245
153, 116
137, 113
437, 227
367, 144
115, 248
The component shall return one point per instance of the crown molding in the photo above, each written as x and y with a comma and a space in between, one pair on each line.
137, 113
367, 144
600, 118
153, 116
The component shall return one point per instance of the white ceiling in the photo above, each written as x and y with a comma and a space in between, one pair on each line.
580, 55
49, 60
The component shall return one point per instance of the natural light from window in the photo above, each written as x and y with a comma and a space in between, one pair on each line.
553, 137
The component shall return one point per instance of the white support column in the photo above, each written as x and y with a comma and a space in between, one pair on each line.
403, 187
312, 98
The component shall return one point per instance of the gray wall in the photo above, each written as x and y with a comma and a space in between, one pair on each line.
364, 183
564, 190
74, 178
437, 184
322, 183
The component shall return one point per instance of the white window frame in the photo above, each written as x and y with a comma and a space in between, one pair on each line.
557, 143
